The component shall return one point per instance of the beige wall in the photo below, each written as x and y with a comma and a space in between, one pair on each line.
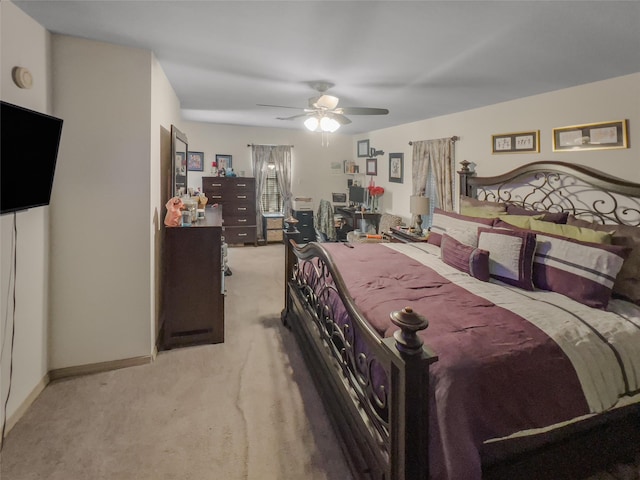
31, 319
613, 99
311, 161
100, 214
165, 111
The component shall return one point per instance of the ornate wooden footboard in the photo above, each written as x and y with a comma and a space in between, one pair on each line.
363, 379
376, 390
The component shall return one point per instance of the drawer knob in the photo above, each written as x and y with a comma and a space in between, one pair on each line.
216, 184
241, 196
242, 184
242, 220
242, 234
242, 209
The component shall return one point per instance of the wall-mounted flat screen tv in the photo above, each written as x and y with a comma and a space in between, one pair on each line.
29, 144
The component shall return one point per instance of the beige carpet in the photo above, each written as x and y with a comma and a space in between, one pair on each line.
245, 409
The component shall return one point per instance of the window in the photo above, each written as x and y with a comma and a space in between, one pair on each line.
271, 200
431, 191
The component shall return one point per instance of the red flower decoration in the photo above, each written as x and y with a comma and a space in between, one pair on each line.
375, 191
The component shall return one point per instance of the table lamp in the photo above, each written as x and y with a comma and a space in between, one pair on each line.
419, 206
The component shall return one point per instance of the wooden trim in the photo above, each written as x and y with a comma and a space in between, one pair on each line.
98, 367
26, 403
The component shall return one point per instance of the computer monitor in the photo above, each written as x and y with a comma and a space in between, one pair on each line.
356, 195
339, 199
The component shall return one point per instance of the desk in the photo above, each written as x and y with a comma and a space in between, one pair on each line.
352, 216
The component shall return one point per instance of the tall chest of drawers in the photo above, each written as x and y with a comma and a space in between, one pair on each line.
237, 195
305, 225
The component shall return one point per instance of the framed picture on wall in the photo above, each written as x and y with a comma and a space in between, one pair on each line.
520, 142
363, 148
195, 161
372, 166
396, 167
591, 136
224, 161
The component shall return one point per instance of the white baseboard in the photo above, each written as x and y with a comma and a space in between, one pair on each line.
24, 406
99, 367
73, 372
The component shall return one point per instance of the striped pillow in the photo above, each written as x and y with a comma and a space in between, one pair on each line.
510, 255
579, 270
465, 258
443, 221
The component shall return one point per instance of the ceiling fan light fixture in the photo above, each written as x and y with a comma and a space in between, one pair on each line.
329, 124
311, 123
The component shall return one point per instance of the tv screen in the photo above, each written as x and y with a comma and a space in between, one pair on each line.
356, 194
29, 143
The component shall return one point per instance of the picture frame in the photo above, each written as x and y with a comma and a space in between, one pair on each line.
181, 163
396, 167
363, 148
518, 142
591, 136
224, 161
195, 161
372, 166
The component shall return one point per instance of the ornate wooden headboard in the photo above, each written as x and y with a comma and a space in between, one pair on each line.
584, 192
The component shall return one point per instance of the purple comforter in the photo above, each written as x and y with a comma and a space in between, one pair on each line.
497, 373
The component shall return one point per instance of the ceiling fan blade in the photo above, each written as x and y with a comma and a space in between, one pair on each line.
338, 117
362, 111
294, 116
278, 106
325, 102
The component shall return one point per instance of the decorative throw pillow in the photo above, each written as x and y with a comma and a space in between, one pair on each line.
442, 221
579, 270
571, 231
481, 208
627, 284
520, 221
465, 258
510, 255
553, 217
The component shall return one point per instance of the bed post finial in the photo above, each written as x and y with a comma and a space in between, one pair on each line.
464, 173
407, 340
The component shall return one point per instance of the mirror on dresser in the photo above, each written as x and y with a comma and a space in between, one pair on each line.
179, 149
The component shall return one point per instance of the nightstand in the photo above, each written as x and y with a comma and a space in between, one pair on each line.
272, 225
403, 235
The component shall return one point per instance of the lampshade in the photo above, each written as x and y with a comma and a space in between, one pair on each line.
329, 124
311, 123
322, 123
419, 205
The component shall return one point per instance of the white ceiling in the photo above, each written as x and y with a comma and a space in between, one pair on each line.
419, 59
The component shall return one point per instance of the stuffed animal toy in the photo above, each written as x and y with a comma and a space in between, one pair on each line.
173, 218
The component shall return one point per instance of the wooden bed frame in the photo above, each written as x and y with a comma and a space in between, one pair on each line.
384, 432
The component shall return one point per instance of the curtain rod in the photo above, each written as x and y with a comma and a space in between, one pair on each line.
453, 139
266, 145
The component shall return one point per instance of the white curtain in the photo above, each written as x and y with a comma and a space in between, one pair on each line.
434, 159
281, 156
260, 155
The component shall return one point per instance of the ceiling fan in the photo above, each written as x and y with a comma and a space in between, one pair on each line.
323, 113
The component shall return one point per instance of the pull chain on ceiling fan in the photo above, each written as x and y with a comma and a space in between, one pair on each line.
323, 112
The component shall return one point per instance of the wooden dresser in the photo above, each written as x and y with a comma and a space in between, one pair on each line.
192, 308
237, 195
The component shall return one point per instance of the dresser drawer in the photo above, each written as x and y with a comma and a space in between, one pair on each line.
304, 215
274, 236
273, 223
234, 209
240, 234
239, 220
